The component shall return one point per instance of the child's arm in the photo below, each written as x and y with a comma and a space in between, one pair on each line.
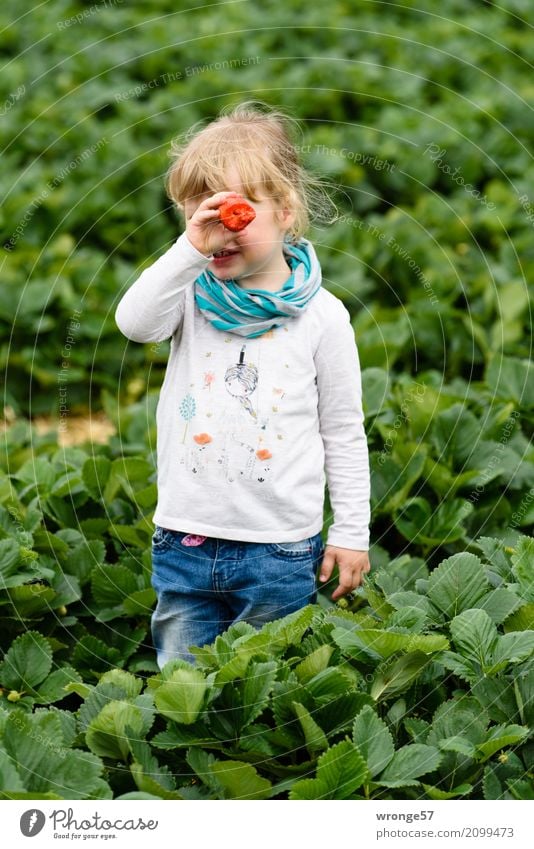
152, 308
342, 430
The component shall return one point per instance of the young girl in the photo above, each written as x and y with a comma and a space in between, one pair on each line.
261, 401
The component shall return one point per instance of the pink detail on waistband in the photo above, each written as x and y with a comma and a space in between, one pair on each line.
193, 539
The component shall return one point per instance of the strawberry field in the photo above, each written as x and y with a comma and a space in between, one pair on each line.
420, 687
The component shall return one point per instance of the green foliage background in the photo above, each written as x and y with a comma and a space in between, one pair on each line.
421, 121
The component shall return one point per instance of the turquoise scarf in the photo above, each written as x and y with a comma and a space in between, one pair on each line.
251, 312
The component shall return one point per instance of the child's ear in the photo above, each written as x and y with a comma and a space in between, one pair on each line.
287, 214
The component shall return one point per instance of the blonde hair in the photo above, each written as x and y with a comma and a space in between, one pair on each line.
258, 141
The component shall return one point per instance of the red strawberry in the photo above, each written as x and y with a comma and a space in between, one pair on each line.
236, 214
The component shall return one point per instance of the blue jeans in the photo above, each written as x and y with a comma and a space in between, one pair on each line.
203, 589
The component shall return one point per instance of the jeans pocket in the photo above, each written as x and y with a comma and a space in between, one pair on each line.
289, 550
163, 538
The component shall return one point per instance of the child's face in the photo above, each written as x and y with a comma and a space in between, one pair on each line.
257, 259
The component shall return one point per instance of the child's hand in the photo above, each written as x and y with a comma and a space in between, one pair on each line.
204, 228
352, 566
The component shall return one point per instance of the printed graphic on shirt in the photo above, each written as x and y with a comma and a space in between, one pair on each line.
243, 436
187, 411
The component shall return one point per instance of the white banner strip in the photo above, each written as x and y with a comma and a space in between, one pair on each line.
268, 824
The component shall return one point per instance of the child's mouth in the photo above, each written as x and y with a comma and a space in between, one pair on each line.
221, 257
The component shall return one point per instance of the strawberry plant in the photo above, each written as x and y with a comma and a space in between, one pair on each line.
423, 689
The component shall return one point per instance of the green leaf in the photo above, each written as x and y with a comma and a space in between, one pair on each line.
76, 776
459, 666
340, 772
140, 602
27, 663
453, 719
499, 604
248, 646
336, 715
523, 570
458, 744
522, 619
257, 685
475, 636
500, 737
375, 642
38, 471
36, 743
373, 739
289, 630
240, 781
314, 663
229, 779
454, 432
314, 735
497, 557
442, 795
329, 683
129, 684
418, 729
521, 788
512, 379
91, 656
180, 737
9, 563
181, 698
129, 535
524, 694
392, 483
457, 584
148, 774
413, 619
375, 382
408, 763
53, 687
32, 600
496, 696
95, 474
513, 647
395, 678
492, 787
138, 795
84, 557
419, 522
10, 781
427, 643
106, 734
112, 583
130, 473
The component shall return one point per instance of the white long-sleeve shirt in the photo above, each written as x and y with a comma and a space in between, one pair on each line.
249, 431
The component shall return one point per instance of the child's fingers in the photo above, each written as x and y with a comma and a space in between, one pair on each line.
203, 215
216, 200
344, 587
350, 580
327, 565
